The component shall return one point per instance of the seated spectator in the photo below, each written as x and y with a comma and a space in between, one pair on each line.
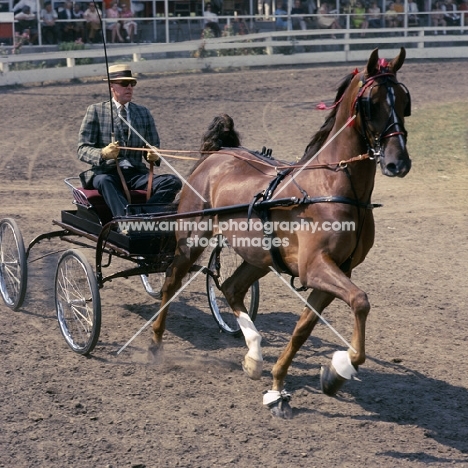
413, 10
281, 21
358, 18
451, 16
374, 16
114, 27
391, 17
130, 26
67, 28
437, 16
211, 21
78, 14
298, 22
400, 9
93, 23
27, 23
325, 20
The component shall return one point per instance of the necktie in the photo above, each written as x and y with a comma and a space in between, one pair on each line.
125, 128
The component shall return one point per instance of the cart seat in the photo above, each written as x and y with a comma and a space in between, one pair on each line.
91, 199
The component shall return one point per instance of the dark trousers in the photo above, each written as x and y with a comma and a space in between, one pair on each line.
164, 189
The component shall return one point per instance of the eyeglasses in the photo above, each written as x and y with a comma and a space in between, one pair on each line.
125, 84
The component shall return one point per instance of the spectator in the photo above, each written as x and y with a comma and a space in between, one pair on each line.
27, 23
374, 16
451, 16
95, 146
93, 23
325, 20
114, 27
211, 21
281, 21
400, 9
391, 17
129, 25
67, 27
413, 10
358, 18
311, 7
298, 22
437, 17
78, 14
32, 4
49, 26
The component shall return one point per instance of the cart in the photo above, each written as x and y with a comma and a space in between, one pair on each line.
77, 285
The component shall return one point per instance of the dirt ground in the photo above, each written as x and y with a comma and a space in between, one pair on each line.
197, 408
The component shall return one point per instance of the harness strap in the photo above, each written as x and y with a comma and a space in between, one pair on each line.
124, 183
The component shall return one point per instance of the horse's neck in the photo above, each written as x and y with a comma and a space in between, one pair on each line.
358, 176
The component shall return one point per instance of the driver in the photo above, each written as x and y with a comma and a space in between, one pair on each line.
96, 147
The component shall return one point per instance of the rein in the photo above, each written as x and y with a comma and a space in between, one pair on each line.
336, 165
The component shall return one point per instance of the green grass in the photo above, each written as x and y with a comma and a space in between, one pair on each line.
438, 138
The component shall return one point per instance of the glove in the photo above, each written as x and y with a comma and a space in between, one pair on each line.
152, 156
111, 151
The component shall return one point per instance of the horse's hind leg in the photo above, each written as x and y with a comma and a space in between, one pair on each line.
235, 289
185, 257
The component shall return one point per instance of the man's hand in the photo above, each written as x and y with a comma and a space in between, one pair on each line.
152, 156
111, 151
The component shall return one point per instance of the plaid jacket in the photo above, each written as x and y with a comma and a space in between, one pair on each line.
95, 134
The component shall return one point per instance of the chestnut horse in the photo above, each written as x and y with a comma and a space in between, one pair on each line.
333, 181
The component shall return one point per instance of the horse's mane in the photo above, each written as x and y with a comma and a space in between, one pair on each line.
320, 137
221, 133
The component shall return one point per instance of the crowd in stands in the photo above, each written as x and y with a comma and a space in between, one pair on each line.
72, 21
365, 14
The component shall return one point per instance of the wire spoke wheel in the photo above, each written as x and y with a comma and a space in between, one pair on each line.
222, 312
77, 302
13, 266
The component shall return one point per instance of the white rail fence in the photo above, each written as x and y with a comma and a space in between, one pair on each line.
273, 48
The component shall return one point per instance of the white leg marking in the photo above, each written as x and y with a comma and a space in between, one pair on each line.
252, 337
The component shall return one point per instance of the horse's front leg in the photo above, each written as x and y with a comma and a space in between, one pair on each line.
332, 282
277, 399
327, 276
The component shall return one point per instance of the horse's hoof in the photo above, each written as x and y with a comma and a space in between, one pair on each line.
281, 409
330, 380
252, 368
278, 402
155, 352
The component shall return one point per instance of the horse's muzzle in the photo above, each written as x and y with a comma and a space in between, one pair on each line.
396, 169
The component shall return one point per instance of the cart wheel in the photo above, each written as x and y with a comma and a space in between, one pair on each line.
77, 302
13, 266
222, 312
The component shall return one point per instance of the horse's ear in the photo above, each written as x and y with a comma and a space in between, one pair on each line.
372, 63
397, 62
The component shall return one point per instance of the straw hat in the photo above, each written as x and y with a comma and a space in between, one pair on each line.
120, 72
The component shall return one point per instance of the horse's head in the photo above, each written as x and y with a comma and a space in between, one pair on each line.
381, 105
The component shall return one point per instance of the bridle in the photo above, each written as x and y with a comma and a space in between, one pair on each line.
363, 108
